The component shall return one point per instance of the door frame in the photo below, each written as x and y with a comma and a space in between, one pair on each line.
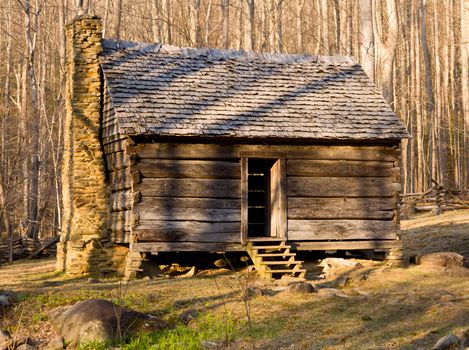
280, 186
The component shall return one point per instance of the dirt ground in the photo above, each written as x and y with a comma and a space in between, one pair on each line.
380, 307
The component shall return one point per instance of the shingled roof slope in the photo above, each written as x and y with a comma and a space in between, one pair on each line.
168, 91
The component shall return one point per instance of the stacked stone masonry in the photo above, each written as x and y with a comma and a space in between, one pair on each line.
84, 246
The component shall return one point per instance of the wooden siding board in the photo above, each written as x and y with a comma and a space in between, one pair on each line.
341, 229
199, 169
341, 186
339, 168
187, 231
340, 208
203, 188
197, 214
158, 203
222, 151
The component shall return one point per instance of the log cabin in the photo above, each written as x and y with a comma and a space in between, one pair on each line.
172, 149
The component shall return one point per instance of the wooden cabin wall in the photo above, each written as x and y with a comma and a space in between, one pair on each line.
186, 197
343, 197
119, 175
191, 192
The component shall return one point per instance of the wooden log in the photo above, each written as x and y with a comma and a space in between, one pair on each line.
189, 227
227, 151
182, 214
153, 235
338, 168
121, 200
340, 208
185, 246
121, 221
198, 169
310, 230
206, 188
120, 236
117, 161
341, 186
347, 245
120, 180
116, 146
156, 203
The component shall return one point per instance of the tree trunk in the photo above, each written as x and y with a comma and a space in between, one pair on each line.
367, 44
225, 23
249, 26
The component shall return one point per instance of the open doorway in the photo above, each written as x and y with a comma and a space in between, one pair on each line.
265, 202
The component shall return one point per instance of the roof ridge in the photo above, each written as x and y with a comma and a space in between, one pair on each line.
224, 54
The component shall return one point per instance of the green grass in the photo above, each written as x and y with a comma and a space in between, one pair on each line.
207, 327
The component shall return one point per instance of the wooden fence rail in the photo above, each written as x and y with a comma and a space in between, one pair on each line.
22, 248
437, 199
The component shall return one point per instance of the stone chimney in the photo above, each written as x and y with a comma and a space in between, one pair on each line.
85, 188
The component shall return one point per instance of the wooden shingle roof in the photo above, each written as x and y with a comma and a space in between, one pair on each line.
163, 90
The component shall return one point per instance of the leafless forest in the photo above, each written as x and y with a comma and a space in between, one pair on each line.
417, 52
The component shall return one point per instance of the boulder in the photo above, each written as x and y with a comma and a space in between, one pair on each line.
440, 259
5, 300
56, 343
449, 341
101, 321
331, 293
254, 292
5, 339
189, 315
301, 288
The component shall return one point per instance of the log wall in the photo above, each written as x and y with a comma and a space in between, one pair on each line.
192, 192
119, 175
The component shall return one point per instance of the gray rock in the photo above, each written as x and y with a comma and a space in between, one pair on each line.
254, 292
100, 320
5, 300
287, 280
331, 293
26, 346
465, 339
5, 339
447, 342
301, 288
92, 280
189, 315
55, 344
210, 344
440, 259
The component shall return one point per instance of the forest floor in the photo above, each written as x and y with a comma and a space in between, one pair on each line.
381, 307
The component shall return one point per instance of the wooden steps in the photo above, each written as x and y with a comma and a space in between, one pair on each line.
273, 258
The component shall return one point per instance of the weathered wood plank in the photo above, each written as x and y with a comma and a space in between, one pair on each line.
221, 151
189, 227
115, 146
338, 168
121, 221
348, 245
181, 214
199, 169
339, 213
340, 208
244, 199
310, 230
185, 246
154, 235
147, 203
121, 200
206, 188
120, 236
341, 186
117, 161
120, 180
